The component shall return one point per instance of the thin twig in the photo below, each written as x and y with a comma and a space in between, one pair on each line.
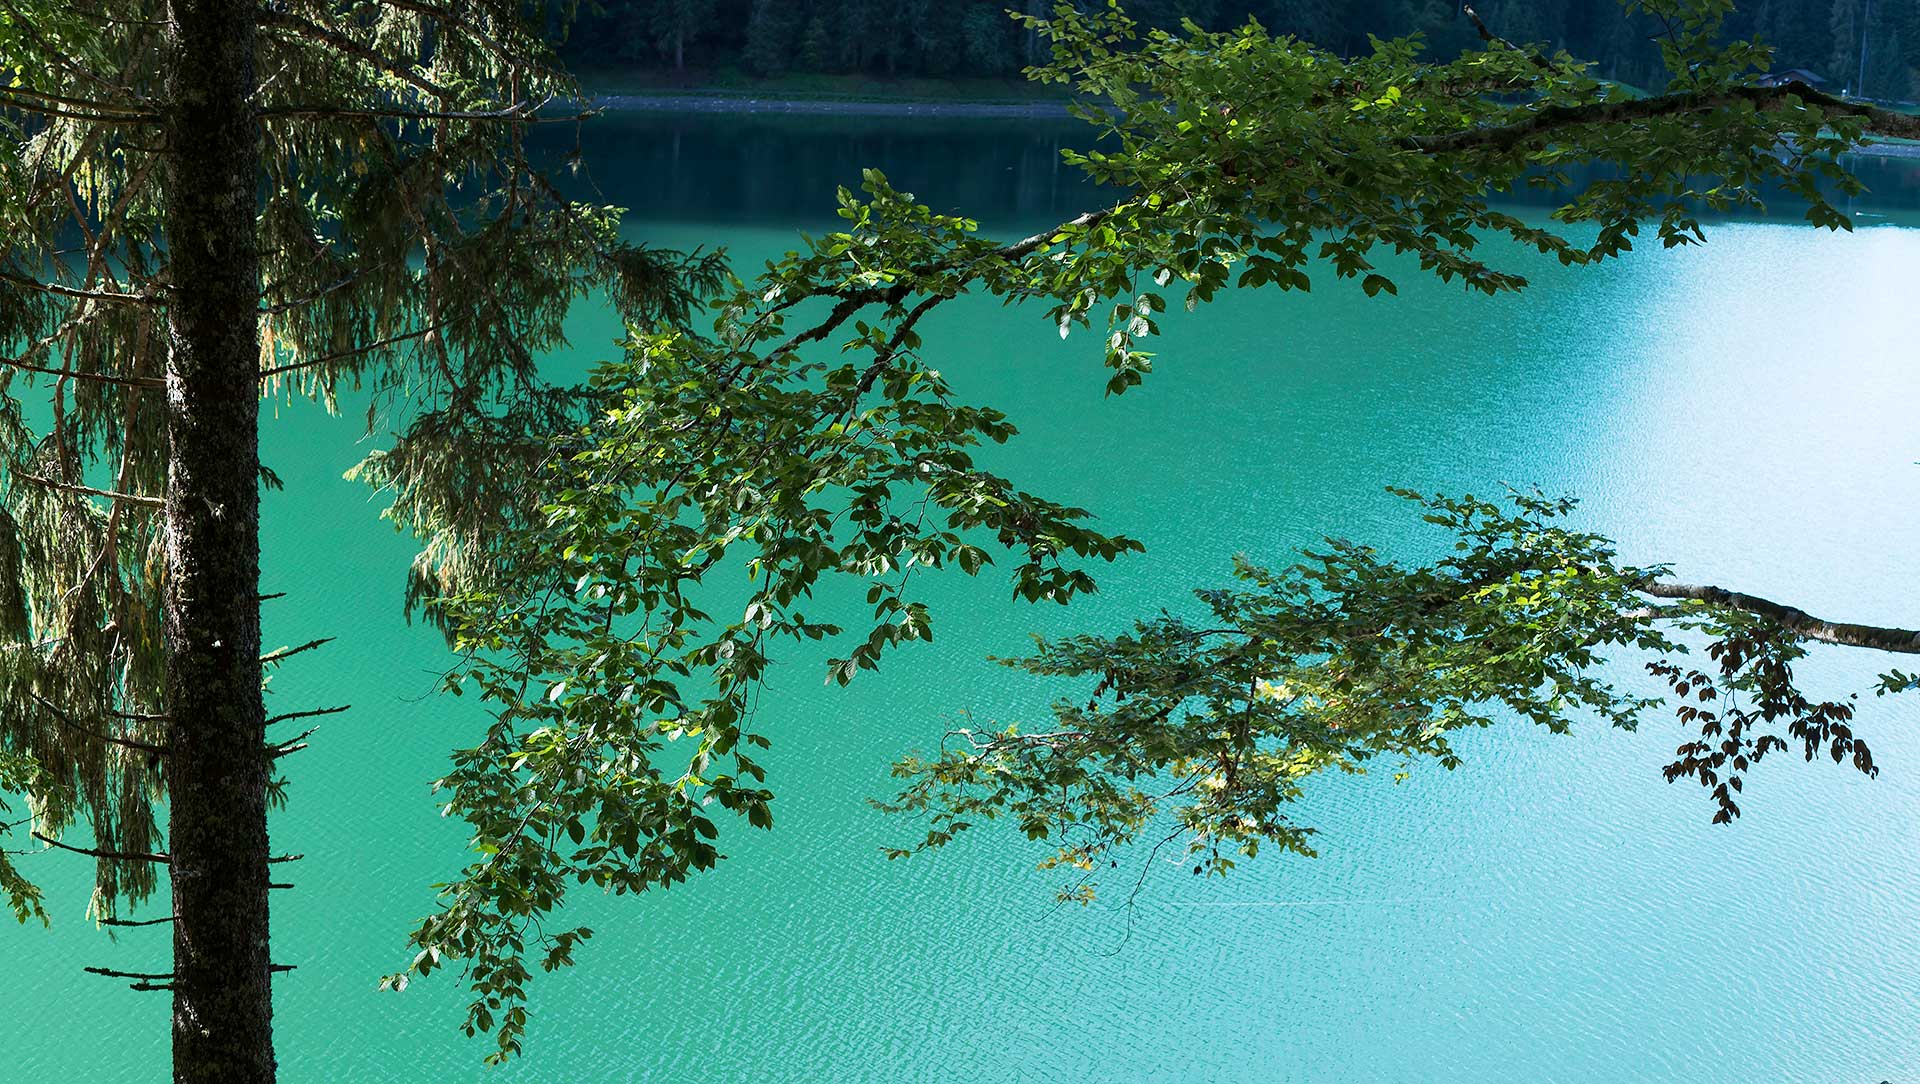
287, 653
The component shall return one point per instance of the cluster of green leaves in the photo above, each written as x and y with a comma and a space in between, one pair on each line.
1260, 157
1206, 730
23, 896
1749, 705
712, 463
806, 438
1896, 681
1257, 161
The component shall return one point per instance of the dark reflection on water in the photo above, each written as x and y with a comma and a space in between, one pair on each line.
1893, 191
782, 169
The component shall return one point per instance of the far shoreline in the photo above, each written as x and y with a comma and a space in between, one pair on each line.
749, 104
839, 107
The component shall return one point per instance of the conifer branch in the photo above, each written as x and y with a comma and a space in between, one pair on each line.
272, 719
1488, 36
143, 981
287, 653
75, 292
149, 976
71, 487
291, 745
74, 374
102, 115
76, 103
68, 721
295, 25
336, 286
27, 26
453, 18
391, 340
130, 922
518, 113
117, 856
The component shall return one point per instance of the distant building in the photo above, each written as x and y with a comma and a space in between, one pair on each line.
1791, 75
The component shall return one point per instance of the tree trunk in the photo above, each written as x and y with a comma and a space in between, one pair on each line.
217, 768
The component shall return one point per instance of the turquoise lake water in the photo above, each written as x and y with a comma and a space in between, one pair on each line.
1551, 912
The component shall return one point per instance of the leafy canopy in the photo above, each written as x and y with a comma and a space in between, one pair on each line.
726, 476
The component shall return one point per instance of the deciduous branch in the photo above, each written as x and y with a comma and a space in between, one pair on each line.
1552, 118
1541, 123
1846, 634
853, 300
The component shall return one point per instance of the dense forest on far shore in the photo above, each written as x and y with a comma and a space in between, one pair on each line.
686, 39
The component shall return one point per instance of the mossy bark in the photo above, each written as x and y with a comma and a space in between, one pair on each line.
217, 770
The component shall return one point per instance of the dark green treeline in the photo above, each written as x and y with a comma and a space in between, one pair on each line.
957, 38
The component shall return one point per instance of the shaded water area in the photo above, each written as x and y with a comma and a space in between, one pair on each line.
782, 169
777, 170
1552, 911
